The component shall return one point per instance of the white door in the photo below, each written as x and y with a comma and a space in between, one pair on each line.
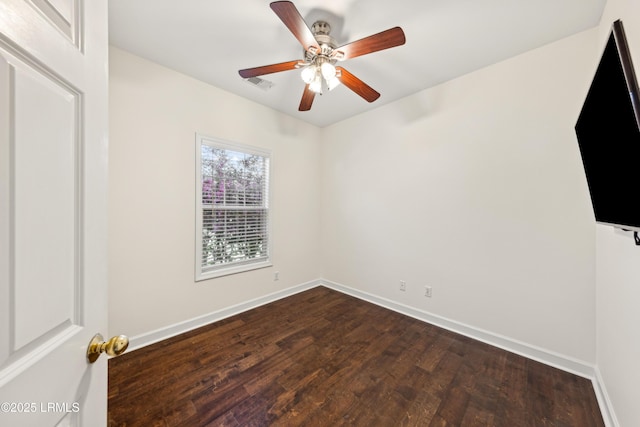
53, 207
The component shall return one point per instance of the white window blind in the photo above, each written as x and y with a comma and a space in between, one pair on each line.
232, 232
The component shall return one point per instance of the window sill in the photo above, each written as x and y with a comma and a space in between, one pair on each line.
200, 276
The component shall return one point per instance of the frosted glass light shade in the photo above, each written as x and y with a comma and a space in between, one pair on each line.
308, 74
328, 70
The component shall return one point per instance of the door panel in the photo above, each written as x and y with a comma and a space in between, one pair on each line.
45, 200
63, 15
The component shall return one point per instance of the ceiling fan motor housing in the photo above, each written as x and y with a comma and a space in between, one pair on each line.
321, 27
321, 31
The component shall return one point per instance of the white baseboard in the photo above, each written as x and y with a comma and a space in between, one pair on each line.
160, 334
606, 408
547, 357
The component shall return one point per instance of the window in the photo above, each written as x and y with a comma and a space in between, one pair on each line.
232, 205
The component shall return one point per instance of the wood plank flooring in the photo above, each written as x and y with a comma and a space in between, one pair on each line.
322, 358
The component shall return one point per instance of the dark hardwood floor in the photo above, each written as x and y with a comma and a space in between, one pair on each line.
322, 358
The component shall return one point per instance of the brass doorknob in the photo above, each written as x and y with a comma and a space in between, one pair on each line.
114, 347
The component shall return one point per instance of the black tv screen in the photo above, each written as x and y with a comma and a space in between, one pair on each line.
608, 133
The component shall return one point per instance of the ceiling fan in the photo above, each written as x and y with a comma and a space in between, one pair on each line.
321, 53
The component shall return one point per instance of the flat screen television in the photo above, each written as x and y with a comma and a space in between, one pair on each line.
608, 133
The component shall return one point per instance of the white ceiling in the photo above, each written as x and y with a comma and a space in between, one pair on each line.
212, 39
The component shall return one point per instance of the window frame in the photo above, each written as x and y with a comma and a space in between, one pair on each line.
236, 267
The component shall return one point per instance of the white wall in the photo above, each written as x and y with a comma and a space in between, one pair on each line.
618, 271
618, 347
154, 115
475, 188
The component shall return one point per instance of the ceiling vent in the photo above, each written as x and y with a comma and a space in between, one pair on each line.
261, 83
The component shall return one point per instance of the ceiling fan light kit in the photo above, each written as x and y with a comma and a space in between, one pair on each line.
318, 69
321, 53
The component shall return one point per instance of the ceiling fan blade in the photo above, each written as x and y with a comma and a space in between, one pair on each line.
357, 85
307, 99
268, 69
288, 13
390, 38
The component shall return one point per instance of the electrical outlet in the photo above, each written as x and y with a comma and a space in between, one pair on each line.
403, 285
276, 275
427, 291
